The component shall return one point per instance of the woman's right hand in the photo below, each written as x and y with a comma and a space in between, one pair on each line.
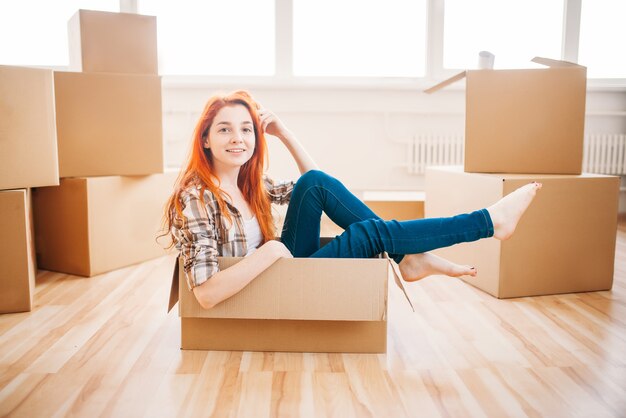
278, 249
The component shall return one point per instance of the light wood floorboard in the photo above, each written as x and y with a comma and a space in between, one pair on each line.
105, 346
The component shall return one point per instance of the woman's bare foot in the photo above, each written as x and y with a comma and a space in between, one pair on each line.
506, 212
414, 267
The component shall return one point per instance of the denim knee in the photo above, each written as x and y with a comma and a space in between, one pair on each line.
312, 178
366, 236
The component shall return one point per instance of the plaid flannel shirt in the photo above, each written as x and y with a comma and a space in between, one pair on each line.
207, 234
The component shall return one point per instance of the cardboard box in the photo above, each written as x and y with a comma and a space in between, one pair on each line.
526, 120
17, 276
88, 226
108, 124
28, 141
398, 205
565, 242
298, 304
105, 42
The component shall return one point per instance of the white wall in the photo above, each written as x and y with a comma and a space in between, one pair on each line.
356, 132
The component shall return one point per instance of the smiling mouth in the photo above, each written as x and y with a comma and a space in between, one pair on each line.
235, 150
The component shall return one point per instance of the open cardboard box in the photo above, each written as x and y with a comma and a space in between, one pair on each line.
297, 304
565, 242
28, 138
524, 120
17, 276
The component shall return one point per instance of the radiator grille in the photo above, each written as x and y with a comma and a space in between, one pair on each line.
602, 154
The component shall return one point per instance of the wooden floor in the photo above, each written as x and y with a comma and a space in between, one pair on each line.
105, 346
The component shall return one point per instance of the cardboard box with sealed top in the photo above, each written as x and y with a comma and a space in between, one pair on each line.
564, 242
297, 305
105, 42
524, 120
28, 137
108, 124
17, 254
91, 225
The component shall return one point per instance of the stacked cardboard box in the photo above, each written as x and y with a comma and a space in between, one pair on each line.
28, 158
109, 127
523, 126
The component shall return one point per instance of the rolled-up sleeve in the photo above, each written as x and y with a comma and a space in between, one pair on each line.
197, 241
279, 191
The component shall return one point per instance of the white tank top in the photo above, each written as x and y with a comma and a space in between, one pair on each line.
253, 234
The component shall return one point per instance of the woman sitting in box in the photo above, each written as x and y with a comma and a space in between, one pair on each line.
221, 206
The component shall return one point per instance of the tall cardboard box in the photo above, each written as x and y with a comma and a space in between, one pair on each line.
17, 275
88, 226
28, 141
398, 205
297, 304
524, 120
105, 42
565, 242
108, 124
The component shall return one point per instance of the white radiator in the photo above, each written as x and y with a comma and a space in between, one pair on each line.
602, 154
605, 154
427, 150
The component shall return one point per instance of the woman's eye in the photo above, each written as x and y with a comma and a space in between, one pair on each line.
247, 130
223, 130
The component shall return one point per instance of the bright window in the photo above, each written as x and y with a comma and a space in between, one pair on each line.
514, 31
34, 32
359, 38
602, 38
234, 37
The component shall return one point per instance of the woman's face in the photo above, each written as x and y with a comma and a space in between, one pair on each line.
231, 137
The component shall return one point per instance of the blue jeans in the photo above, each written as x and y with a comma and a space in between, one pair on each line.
365, 233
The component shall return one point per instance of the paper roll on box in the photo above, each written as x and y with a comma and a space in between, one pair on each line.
485, 60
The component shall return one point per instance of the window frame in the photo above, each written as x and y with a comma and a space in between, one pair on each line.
434, 56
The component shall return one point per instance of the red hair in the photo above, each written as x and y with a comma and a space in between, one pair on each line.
200, 169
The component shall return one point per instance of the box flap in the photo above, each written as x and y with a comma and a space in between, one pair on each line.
447, 82
174, 288
548, 62
398, 280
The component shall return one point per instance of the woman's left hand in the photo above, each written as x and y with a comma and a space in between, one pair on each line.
271, 124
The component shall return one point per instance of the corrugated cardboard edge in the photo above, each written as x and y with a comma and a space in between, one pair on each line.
174, 289
32, 257
552, 63
398, 280
446, 82
74, 42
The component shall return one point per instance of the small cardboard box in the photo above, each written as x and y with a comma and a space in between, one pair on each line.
398, 205
105, 42
28, 139
525, 120
297, 304
108, 124
88, 226
565, 242
17, 276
